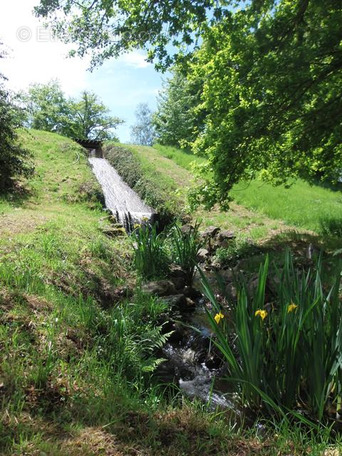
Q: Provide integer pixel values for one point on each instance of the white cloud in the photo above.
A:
(34, 56)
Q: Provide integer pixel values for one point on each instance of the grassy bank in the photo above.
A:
(304, 206)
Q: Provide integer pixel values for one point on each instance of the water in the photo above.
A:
(120, 199)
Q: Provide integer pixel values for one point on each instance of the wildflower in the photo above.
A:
(291, 307)
(218, 317)
(261, 313)
(136, 226)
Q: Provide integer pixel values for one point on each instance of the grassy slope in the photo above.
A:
(302, 205)
(70, 378)
(176, 166)
(70, 374)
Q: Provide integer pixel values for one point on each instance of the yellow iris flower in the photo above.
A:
(261, 313)
(291, 307)
(218, 317)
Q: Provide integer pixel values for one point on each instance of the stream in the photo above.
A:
(191, 362)
(120, 199)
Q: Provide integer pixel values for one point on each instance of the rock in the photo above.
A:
(177, 300)
(186, 229)
(192, 293)
(190, 304)
(178, 276)
(202, 255)
(178, 282)
(225, 234)
(177, 271)
(159, 288)
(210, 232)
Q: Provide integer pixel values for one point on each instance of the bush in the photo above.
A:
(287, 352)
(13, 158)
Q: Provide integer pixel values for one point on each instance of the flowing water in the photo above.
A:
(189, 361)
(120, 199)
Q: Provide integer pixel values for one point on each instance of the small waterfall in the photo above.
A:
(120, 199)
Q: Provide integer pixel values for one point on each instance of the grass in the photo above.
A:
(79, 342)
(145, 171)
(303, 206)
(181, 157)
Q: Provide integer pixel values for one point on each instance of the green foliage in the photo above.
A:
(185, 244)
(271, 98)
(87, 118)
(175, 120)
(288, 351)
(268, 75)
(14, 158)
(150, 255)
(109, 28)
(46, 107)
(143, 131)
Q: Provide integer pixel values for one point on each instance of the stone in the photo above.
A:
(192, 293)
(226, 234)
(114, 231)
(159, 288)
(177, 300)
(186, 229)
(178, 276)
(202, 255)
(210, 232)
(177, 271)
(179, 282)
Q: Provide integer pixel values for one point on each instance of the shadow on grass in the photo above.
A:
(332, 227)
(16, 195)
(305, 247)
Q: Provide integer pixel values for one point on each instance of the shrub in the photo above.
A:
(13, 158)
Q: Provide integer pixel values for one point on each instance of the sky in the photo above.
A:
(35, 56)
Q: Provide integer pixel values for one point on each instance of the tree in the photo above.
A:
(14, 160)
(87, 118)
(176, 121)
(47, 107)
(107, 28)
(272, 95)
(143, 131)
(271, 74)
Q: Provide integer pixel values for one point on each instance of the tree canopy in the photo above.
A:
(84, 118)
(270, 72)
(106, 28)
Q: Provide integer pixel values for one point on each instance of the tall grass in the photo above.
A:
(288, 351)
(185, 244)
(150, 256)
